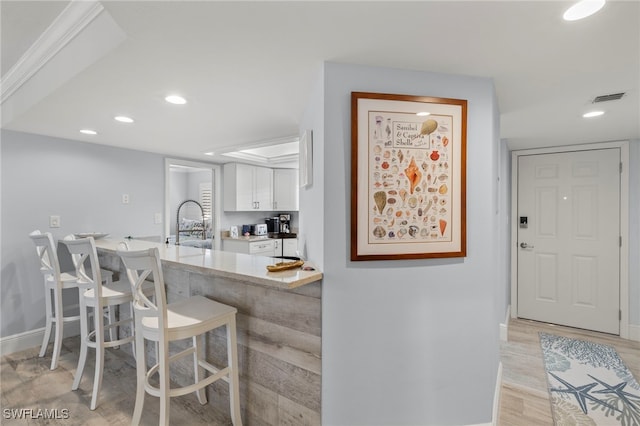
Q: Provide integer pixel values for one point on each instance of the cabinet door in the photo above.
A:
(290, 247)
(244, 187)
(238, 187)
(285, 186)
(278, 247)
(263, 188)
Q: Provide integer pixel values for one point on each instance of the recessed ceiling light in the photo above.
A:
(88, 132)
(582, 9)
(423, 113)
(175, 99)
(123, 119)
(593, 114)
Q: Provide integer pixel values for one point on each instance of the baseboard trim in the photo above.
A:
(634, 332)
(504, 327)
(32, 338)
(496, 396)
(496, 400)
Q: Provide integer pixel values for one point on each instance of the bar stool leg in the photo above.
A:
(198, 372)
(59, 319)
(84, 335)
(163, 359)
(97, 379)
(234, 381)
(48, 320)
(141, 368)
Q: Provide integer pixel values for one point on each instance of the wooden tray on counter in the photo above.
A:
(283, 266)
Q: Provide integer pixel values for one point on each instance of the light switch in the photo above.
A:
(54, 221)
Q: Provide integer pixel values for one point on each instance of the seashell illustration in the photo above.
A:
(443, 211)
(380, 198)
(404, 222)
(394, 169)
(424, 232)
(377, 220)
(443, 189)
(428, 127)
(376, 175)
(413, 230)
(390, 211)
(413, 202)
(420, 212)
(413, 174)
(443, 226)
(398, 213)
(400, 155)
(392, 192)
(385, 165)
(429, 204)
(392, 234)
(424, 166)
(443, 201)
(391, 201)
(445, 141)
(443, 176)
(377, 149)
(379, 232)
(387, 154)
(402, 232)
(432, 189)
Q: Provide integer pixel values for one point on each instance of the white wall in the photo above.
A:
(409, 342)
(83, 184)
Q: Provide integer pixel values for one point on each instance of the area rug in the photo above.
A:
(589, 384)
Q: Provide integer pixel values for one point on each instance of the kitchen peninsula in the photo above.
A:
(279, 326)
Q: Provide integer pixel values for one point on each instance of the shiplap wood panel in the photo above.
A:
(279, 345)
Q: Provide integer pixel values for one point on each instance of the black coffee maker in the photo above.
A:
(285, 223)
(273, 224)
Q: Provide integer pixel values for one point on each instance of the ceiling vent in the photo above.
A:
(605, 98)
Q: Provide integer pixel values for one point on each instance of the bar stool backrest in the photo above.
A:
(46, 249)
(143, 265)
(85, 257)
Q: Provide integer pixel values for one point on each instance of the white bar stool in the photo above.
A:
(164, 323)
(93, 295)
(54, 281)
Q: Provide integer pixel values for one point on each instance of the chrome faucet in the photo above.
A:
(204, 233)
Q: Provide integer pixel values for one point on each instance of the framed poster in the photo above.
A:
(306, 159)
(408, 177)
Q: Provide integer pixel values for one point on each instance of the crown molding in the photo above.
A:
(71, 21)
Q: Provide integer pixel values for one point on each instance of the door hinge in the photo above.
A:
(621, 167)
(620, 314)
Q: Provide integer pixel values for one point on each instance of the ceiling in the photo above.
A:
(247, 68)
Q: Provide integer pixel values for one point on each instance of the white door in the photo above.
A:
(569, 239)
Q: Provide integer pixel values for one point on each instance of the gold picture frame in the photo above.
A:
(408, 177)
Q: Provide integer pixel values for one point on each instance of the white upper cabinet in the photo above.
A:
(247, 188)
(285, 189)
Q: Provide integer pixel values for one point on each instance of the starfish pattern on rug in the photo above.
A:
(619, 391)
(581, 393)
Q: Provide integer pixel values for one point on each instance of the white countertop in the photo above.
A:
(222, 263)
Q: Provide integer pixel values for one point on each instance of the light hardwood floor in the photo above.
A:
(524, 398)
(27, 382)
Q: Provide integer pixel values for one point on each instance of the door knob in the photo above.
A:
(525, 245)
